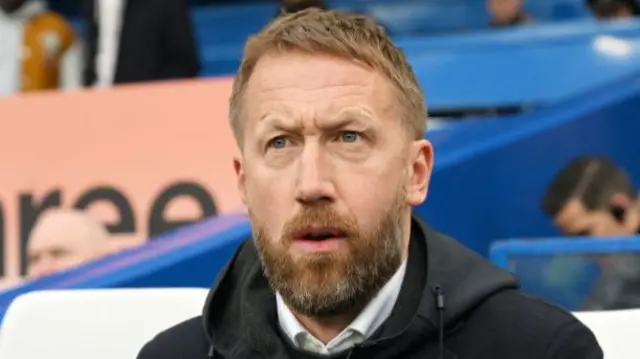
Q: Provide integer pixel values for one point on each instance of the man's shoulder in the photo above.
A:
(517, 305)
(186, 339)
(531, 322)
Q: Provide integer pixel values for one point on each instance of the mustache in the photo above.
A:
(319, 216)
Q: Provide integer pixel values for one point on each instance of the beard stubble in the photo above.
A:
(334, 283)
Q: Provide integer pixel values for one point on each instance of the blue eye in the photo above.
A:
(278, 142)
(349, 136)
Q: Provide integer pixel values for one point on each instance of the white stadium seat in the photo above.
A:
(96, 324)
(616, 331)
(115, 323)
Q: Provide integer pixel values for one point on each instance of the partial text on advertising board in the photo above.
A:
(142, 159)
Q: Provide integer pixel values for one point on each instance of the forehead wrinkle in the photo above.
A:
(331, 115)
(271, 100)
(276, 94)
(371, 87)
(288, 68)
(296, 89)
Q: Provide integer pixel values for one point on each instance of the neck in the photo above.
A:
(325, 329)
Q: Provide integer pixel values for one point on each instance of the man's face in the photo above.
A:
(328, 175)
(504, 10)
(10, 6)
(51, 252)
(576, 220)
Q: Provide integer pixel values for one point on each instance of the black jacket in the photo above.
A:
(453, 304)
(156, 42)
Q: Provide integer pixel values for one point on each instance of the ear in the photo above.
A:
(239, 169)
(421, 166)
(619, 200)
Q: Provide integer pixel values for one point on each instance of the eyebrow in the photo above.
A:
(270, 123)
(342, 119)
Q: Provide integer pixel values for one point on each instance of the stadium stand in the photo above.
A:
(500, 202)
(489, 65)
(98, 316)
(512, 161)
(575, 89)
(75, 324)
(400, 17)
(562, 270)
(490, 152)
(189, 257)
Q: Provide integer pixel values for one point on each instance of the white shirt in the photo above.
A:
(365, 324)
(109, 15)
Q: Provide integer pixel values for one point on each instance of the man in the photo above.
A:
(507, 13)
(614, 9)
(63, 239)
(330, 121)
(134, 41)
(592, 196)
(38, 49)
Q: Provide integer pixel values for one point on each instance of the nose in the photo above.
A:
(314, 184)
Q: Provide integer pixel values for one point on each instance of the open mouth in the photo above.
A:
(319, 234)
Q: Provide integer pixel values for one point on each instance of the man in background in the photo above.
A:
(38, 49)
(506, 13)
(614, 9)
(592, 196)
(63, 239)
(138, 40)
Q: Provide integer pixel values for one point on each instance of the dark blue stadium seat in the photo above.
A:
(231, 24)
(489, 178)
(429, 17)
(497, 68)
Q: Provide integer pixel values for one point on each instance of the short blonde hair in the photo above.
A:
(349, 36)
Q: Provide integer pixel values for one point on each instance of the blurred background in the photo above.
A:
(115, 151)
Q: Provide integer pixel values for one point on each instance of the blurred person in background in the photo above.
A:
(506, 13)
(132, 41)
(38, 49)
(592, 196)
(291, 6)
(10, 282)
(63, 239)
(614, 9)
